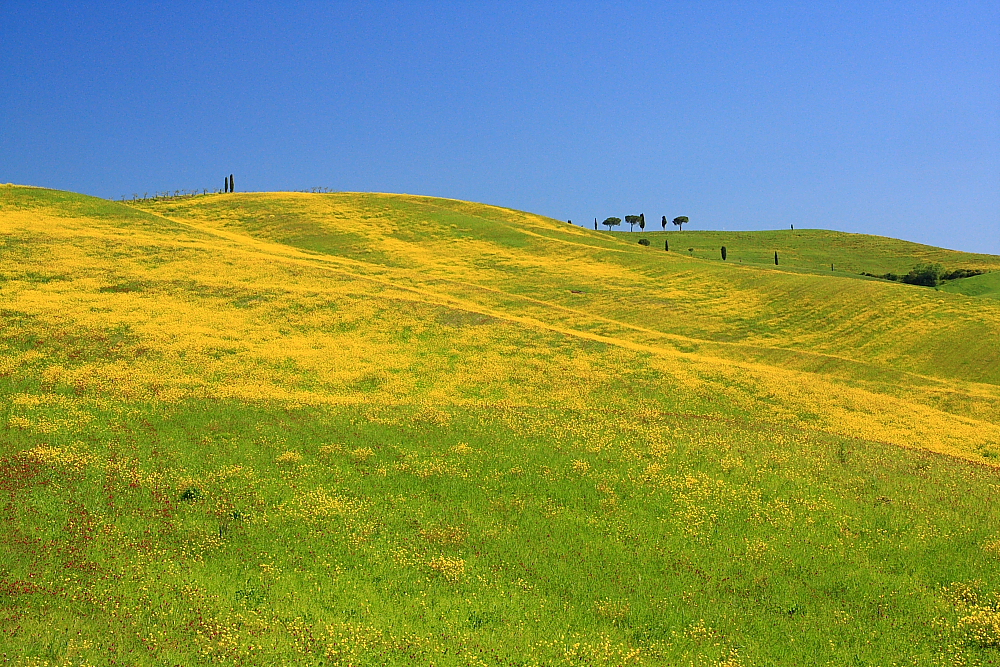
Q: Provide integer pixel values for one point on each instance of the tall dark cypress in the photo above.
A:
(225, 185)
(723, 253)
(666, 244)
(595, 223)
(232, 186)
(775, 257)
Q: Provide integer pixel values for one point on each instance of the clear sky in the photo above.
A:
(860, 116)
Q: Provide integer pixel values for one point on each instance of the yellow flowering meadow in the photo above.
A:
(355, 428)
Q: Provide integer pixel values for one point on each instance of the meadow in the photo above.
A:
(372, 429)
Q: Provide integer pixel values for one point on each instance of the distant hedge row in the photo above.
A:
(928, 274)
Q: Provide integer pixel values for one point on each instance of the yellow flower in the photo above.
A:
(289, 458)
(452, 569)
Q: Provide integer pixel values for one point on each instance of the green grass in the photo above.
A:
(361, 429)
(815, 250)
(732, 543)
(986, 285)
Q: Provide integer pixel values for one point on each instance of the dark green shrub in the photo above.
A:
(884, 276)
(643, 241)
(927, 274)
(962, 273)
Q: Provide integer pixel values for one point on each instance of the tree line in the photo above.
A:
(633, 220)
(928, 274)
(228, 186)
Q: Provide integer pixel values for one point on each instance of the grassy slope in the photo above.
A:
(987, 285)
(377, 428)
(815, 250)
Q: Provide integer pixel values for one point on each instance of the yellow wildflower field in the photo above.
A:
(362, 428)
(227, 299)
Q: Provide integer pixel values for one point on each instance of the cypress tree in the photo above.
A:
(232, 186)
(775, 257)
(663, 222)
(225, 185)
(723, 253)
(595, 223)
(666, 242)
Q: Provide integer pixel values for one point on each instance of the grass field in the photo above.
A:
(365, 429)
(815, 250)
(986, 285)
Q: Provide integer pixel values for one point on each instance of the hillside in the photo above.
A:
(386, 429)
(814, 250)
(987, 285)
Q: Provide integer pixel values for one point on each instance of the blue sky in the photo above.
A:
(869, 117)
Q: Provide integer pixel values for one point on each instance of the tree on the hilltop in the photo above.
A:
(225, 185)
(595, 223)
(612, 222)
(642, 222)
(631, 220)
(663, 223)
(232, 184)
(679, 221)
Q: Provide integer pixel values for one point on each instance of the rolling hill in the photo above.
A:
(363, 428)
(986, 285)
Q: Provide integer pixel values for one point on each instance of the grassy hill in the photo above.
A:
(354, 429)
(986, 285)
(814, 250)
